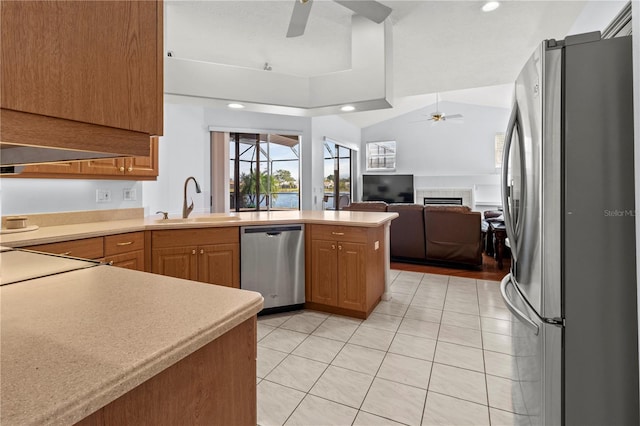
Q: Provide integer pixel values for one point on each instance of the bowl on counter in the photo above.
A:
(15, 222)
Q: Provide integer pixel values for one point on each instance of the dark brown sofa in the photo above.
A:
(432, 234)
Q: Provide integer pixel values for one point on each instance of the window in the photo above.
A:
(264, 172)
(498, 148)
(337, 176)
(381, 155)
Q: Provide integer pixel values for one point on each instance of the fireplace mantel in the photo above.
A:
(465, 193)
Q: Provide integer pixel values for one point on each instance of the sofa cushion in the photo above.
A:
(452, 236)
(407, 232)
(448, 208)
(367, 206)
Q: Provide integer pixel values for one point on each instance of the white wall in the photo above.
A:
(452, 154)
(183, 152)
(22, 196)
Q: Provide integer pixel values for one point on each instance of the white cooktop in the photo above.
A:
(21, 265)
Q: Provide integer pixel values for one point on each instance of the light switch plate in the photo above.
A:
(129, 194)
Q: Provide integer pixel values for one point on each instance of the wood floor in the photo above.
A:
(489, 269)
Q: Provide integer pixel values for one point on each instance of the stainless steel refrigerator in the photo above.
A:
(569, 208)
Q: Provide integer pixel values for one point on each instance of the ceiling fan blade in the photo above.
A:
(372, 10)
(299, 18)
(454, 116)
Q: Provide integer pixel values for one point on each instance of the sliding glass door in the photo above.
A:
(264, 172)
(337, 172)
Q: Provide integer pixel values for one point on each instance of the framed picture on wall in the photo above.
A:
(381, 156)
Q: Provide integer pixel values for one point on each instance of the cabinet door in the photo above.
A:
(96, 62)
(143, 166)
(66, 168)
(324, 272)
(131, 260)
(179, 262)
(106, 167)
(219, 264)
(352, 276)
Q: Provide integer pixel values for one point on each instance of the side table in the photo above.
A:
(500, 233)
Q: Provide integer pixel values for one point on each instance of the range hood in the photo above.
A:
(35, 139)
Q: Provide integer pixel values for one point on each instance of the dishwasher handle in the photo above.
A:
(271, 229)
(274, 234)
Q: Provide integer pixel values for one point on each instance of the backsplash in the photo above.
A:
(67, 218)
(27, 196)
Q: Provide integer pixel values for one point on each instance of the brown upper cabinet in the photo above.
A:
(129, 168)
(82, 75)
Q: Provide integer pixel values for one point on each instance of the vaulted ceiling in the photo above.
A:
(438, 46)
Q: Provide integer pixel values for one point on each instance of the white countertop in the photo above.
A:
(52, 234)
(72, 343)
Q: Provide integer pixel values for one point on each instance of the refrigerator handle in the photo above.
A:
(515, 311)
(506, 188)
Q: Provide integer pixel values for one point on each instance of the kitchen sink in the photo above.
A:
(203, 219)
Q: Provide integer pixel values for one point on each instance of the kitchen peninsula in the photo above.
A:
(97, 340)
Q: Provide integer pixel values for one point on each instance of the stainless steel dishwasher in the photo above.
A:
(272, 263)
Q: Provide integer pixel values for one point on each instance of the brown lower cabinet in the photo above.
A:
(122, 250)
(216, 385)
(125, 250)
(345, 269)
(86, 248)
(210, 255)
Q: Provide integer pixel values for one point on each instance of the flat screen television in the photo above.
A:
(389, 188)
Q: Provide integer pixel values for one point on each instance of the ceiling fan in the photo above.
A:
(372, 10)
(441, 116)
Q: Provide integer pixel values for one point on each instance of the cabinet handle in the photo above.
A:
(122, 169)
(201, 251)
(130, 169)
(339, 247)
(66, 253)
(126, 243)
(333, 246)
(337, 233)
(193, 252)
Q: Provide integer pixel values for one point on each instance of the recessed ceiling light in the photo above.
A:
(490, 5)
(347, 108)
(235, 106)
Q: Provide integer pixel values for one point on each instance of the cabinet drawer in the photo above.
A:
(195, 237)
(122, 243)
(88, 248)
(339, 233)
(131, 260)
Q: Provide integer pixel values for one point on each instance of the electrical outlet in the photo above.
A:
(103, 195)
(129, 194)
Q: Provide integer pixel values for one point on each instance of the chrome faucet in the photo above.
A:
(187, 209)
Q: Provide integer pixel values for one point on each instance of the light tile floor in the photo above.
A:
(439, 353)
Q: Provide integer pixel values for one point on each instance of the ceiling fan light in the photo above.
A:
(235, 106)
(347, 108)
(490, 6)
